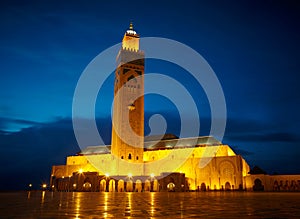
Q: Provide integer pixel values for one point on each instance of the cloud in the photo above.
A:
(265, 137)
(32, 151)
(14, 124)
(257, 131)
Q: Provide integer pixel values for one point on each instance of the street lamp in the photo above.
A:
(44, 186)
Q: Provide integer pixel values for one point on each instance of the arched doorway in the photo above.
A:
(258, 186)
(293, 185)
(129, 186)
(147, 186)
(171, 187)
(138, 186)
(155, 185)
(227, 186)
(87, 186)
(275, 186)
(203, 187)
(111, 186)
(103, 185)
(121, 185)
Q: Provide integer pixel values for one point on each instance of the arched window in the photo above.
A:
(137, 157)
(258, 186)
(203, 187)
(129, 156)
(132, 77)
(122, 157)
(171, 187)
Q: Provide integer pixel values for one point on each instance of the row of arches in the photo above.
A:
(286, 185)
(227, 187)
(93, 182)
(277, 185)
(112, 185)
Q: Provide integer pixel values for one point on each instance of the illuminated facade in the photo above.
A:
(133, 163)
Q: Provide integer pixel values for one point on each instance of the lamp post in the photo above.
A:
(69, 183)
(152, 182)
(106, 182)
(44, 186)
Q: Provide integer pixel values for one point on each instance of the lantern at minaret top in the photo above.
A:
(131, 39)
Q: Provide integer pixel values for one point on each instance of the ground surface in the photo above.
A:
(149, 205)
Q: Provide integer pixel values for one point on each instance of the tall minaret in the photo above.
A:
(128, 112)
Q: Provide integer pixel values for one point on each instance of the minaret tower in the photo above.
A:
(128, 112)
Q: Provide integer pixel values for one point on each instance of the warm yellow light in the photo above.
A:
(52, 186)
(152, 175)
(129, 174)
(106, 174)
(74, 185)
(62, 177)
(131, 107)
(80, 170)
(44, 186)
(30, 185)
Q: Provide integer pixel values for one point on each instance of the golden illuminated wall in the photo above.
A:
(198, 152)
(274, 182)
(156, 161)
(77, 160)
(200, 168)
(101, 163)
(213, 166)
(216, 174)
(130, 42)
(74, 164)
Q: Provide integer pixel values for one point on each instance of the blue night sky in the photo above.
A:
(252, 46)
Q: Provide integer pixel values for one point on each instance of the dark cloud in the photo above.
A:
(257, 131)
(19, 121)
(264, 137)
(267, 145)
(12, 124)
(32, 151)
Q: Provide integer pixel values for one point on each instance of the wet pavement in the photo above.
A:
(38, 204)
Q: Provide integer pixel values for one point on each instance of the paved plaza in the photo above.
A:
(149, 205)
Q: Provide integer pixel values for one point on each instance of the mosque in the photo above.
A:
(134, 163)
